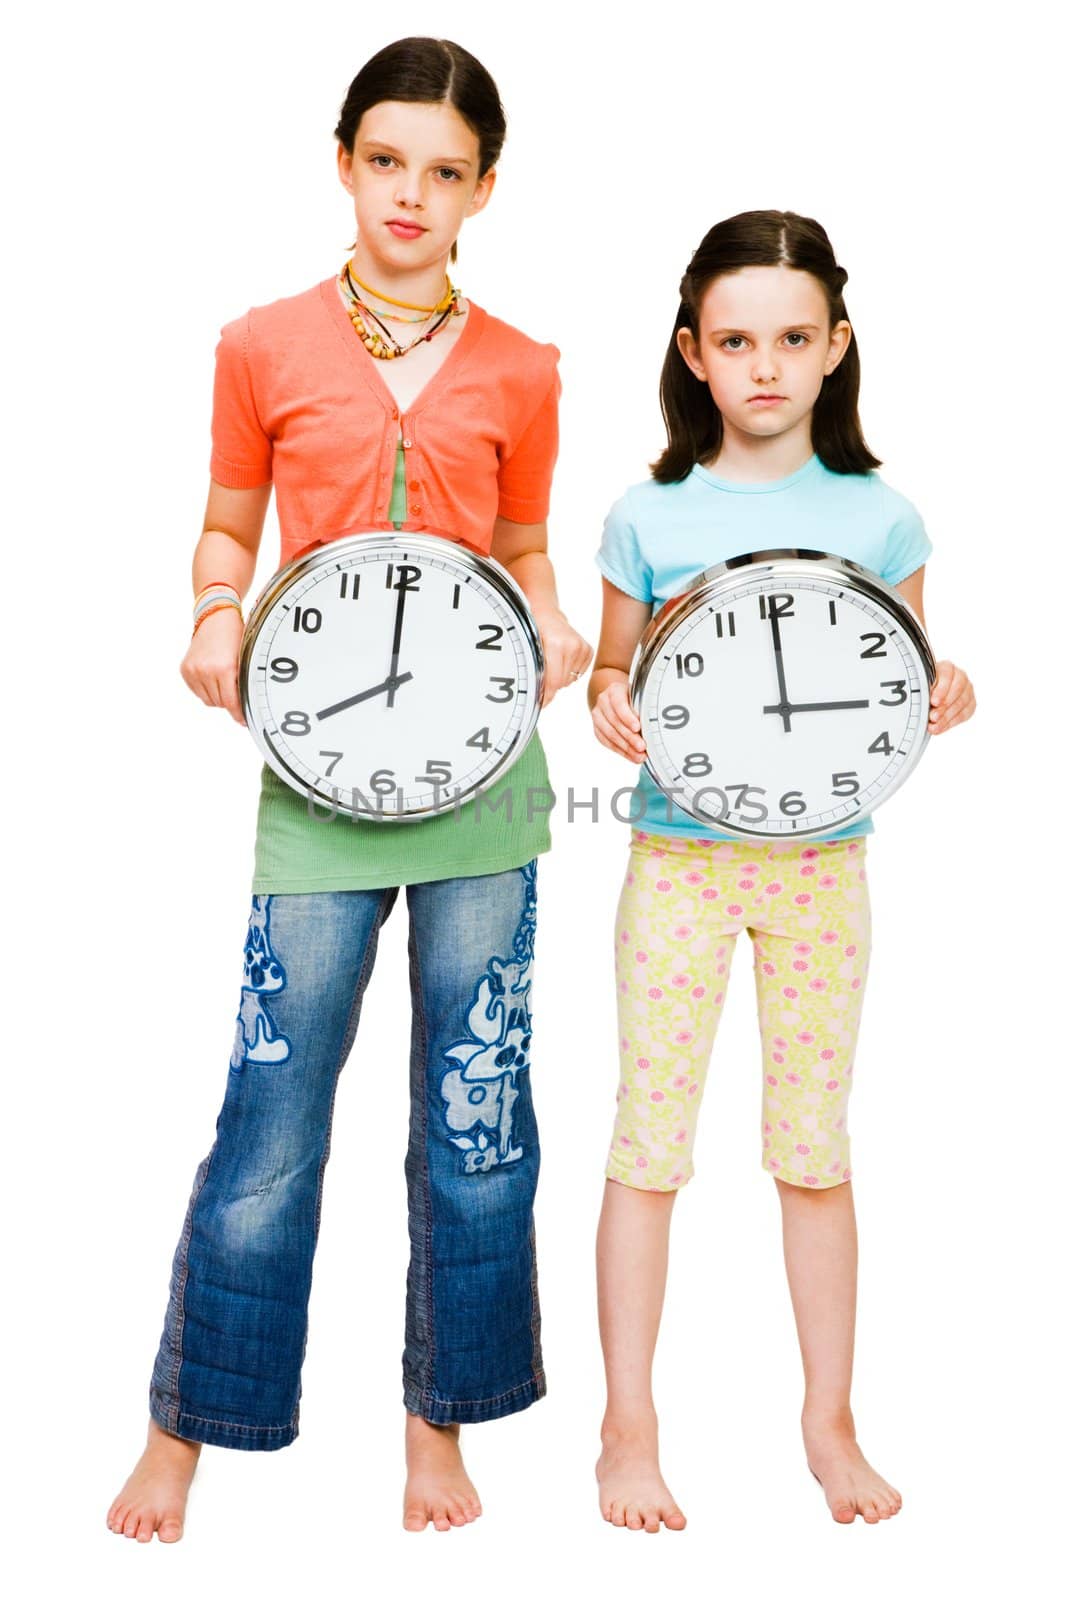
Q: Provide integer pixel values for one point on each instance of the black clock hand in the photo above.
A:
(398, 627)
(825, 705)
(784, 708)
(391, 683)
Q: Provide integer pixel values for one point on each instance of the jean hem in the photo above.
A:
(432, 1408)
(209, 1430)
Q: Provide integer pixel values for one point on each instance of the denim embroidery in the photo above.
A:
(258, 1041)
(481, 1093)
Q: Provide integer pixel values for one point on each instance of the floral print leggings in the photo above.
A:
(683, 904)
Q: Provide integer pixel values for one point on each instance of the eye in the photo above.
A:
(449, 172)
(733, 342)
(374, 160)
(801, 336)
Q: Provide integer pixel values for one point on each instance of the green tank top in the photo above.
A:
(299, 853)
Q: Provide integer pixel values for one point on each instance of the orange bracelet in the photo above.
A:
(224, 605)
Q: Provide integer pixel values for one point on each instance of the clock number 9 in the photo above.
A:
(283, 669)
(674, 716)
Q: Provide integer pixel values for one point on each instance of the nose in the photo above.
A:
(764, 366)
(408, 191)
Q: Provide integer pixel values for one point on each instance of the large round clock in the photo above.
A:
(392, 675)
(783, 694)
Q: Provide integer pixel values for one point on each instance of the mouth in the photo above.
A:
(403, 229)
(766, 399)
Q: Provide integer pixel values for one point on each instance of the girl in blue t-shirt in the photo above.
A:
(765, 450)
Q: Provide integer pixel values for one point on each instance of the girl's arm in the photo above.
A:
(952, 696)
(226, 553)
(615, 722)
(522, 547)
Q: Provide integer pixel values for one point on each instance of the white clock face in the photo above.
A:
(392, 678)
(785, 706)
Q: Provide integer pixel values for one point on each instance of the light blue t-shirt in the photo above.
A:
(660, 536)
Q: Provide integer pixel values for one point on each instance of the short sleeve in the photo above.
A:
(241, 450)
(619, 557)
(907, 543)
(524, 479)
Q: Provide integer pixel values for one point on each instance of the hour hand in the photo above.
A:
(393, 681)
(827, 705)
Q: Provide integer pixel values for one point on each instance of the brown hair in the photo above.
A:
(694, 422)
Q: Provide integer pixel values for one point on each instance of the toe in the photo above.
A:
(145, 1529)
(651, 1521)
(457, 1514)
(440, 1519)
(843, 1511)
(674, 1520)
(414, 1519)
(170, 1529)
(633, 1517)
(618, 1515)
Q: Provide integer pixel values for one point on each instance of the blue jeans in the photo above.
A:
(228, 1367)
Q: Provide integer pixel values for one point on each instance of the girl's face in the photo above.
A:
(765, 347)
(413, 174)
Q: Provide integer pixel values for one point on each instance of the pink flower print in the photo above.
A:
(625, 936)
(625, 1044)
(720, 952)
(827, 881)
(779, 1042)
(811, 1181)
(855, 983)
(642, 837)
(802, 899)
(709, 894)
(750, 869)
(735, 910)
(679, 1083)
(772, 1080)
(789, 992)
(685, 1037)
(807, 872)
(699, 992)
(641, 955)
(777, 1056)
(682, 932)
(802, 949)
(836, 1167)
(863, 876)
(853, 847)
(786, 1127)
(800, 966)
(657, 1095)
(817, 985)
(642, 1161)
(693, 1088)
(680, 980)
(774, 1164)
(831, 1084)
(624, 987)
(766, 1127)
(829, 937)
(643, 1063)
(803, 1149)
(773, 888)
(718, 999)
(770, 969)
(675, 1177)
(694, 877)
(809, 854)
(663, 885)
(659, 854)
(827, 1055)
(793, 1078)
(847, 1174)
(721, 968)
(629, 877)
(705, 842)
(655, 993)
(679, 1137)
(805, 1038)
(850, 949)
(624, 1141)
(746, 883)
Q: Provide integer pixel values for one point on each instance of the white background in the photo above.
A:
(169, 167)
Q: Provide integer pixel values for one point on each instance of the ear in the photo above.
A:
(840, 339)
(690, 352)
(482, 190)
(344, 167)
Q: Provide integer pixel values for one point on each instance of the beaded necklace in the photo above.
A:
(379, 341)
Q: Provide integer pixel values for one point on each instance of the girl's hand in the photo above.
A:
(210, 665)
(616, 723)
(951, 698)
(566, 654)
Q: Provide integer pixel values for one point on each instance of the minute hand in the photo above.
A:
(825, 705)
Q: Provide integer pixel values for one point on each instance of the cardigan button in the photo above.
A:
(416, 509)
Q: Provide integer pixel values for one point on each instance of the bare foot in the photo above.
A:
(632, 1491)
(849, 1482)
(438, 1489)
(152, 1500)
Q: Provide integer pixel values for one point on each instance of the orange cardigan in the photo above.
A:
(299, 400)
